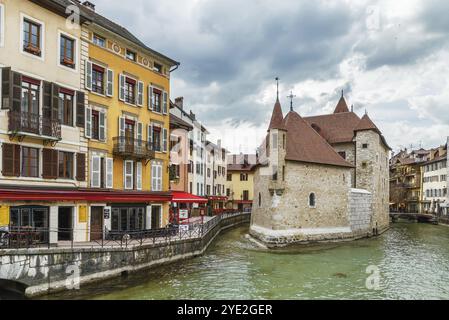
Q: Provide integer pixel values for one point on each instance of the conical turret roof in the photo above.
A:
(342, 106)
(277, 117)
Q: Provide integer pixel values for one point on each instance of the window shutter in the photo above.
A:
(150, 97)
(55, 102)
(6, 88)
(102, 126)
(80, 109)
(9, 160)
(96, 172)
(88, 129)
(121, 124)
(165, 103)
(49, 164)
(140, 93)
(129, 183)
(164, 138)
(159, 178)
(153, 177)
(139, 176)
(80, 167)
(139, 131)
(16, 91)
(88, 75)
(110, 83)
(121, 87)
(47, 100)
(109, 173)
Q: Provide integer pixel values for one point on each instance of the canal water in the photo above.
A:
(410, 261)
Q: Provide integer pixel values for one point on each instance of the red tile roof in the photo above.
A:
(366, 124)
(304, 144)
(341, 106)
(336, 127)
(277, 117)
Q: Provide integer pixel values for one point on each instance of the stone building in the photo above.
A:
(321, 178)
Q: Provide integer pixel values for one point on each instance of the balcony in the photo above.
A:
(130, 148)
(28, 124)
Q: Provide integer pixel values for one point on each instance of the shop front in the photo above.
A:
(185, 206)
(217, 205)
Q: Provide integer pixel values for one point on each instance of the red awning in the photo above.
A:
(218, 198)
(243, 201)
(77, 195)
(184, 197)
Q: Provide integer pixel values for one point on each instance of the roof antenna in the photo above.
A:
(352, 108)
(277, 88)
(342, 93)
(291, 96)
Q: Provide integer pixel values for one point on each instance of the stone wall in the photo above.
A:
(372, 174)
(47, 270)
(349, 149)
(360, 211)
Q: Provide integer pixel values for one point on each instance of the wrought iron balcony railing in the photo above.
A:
(133, 148)
(29, 123)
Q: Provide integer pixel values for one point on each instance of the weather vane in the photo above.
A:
(291, 97)
(277, 87)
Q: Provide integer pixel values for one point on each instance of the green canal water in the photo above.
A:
(412, 260)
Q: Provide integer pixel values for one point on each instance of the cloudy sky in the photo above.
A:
(390, 57)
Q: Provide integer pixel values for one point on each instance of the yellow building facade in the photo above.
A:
(240, 181)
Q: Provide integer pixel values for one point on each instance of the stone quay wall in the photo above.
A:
(44, 271)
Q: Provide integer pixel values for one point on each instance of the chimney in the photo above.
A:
(234, 160)
(89, 5)
(192, 115)
(180, 102)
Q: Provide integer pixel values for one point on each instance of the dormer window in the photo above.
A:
(157, 67)
(99, 41)
(130, 55)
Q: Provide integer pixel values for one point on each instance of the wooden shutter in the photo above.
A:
(110, 83)
(102, 126)
(6, 88)
(139, 175)
(80, 167)
(165, 102)
(46, 106)
(16, 91)
(96, 172)
(80, 109)
(165, 139)
(88, 123)
(109, 173)
(159, 177)
(88, 75)
(150, 97)
(121, 96)
(121, 124)
(139, 131)
(55, 102)
(49, 164)
(140, 93)
(11, 160)
(150, 135)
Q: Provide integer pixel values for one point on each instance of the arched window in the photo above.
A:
(260, 200)
(312, 200)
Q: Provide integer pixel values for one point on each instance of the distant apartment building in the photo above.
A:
(435, 182)
(406, 180)
(216, 170)
(240, 181)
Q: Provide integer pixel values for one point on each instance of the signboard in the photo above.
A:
(82, 214)
(196, 205)
(107, 212)
(184, 214)
(4, 216)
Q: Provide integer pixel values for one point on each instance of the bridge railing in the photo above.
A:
(27, 238)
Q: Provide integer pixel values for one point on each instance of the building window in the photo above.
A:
(67, 52)
(365, 146)
(243, 177)
(66, 107)
(157, 133)
(364, 164)
(229, 177)
(65, 165)
(130, 91)
(32, 37)
(99, 41)
(97, 79)
(260, 200)
(312, 200)
(342, 154)
(95, 125)
(30, 162)
(275, 141)
(30, 99)
(130, 55)
(156, 103)
(275, 173)
(245, 195)
(129, 175)
(228, 192)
